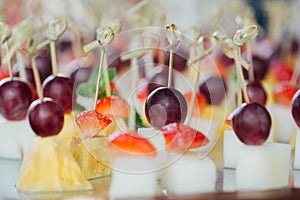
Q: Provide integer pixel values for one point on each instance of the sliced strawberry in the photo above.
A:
(113, 106)
(91, 123)
(281, 70)
(284, 92)
(181, 137)
(131, 143)
(3, 74)
(142, 90)
(200, 102)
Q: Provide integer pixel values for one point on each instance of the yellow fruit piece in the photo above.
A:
(49, 167)
(92, 156)
(68, 131)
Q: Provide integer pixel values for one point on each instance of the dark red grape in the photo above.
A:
(225, 60)
(44, 67)
(295, 107)
(158, 77)
(252, 123)
(80, 75)
(15, 98)
(180, 57)
(46, 117)
(214, 89)
(60, 89)
(164, 106)
(260, 68)
(256, 92)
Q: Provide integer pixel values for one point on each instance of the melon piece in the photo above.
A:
(9, 170)
(49, 166)
(134, 176)
(229, 180)
(263, 167)
(232, 145)
(297, 152)
(189, 174)
(284, 125)
(92, 156)
(296, 178)
(14, 143)
(156, 138)
(231, 148)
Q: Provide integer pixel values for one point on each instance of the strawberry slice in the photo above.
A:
(3, 74)
(200, 102)
(142, 90)
(131, 143)
(284, 92)
(113, 106)
(91, 123)
(181, 137)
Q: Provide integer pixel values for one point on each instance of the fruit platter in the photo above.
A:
(149, 100)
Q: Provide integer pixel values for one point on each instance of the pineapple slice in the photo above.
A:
(68, 131)
(92, 155)
(48, 166)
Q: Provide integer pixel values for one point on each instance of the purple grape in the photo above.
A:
(214, 89)
(46, 117)
(164, 106)
(60, 89)
(256, 92)
(252, 123)
(15, 98)
(295, 107)
(260, 68)
(158, 77)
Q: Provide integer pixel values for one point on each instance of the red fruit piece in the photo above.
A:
(113, 106)
(131, 143)
(200, 102)
(142, 90)
(283, 93)
(181, 137)
(4, 74)
(281, 70)
(91, 122)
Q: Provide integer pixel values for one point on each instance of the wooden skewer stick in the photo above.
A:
(105, 36)
(173, 39)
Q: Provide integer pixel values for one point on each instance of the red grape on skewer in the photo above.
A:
(164, 106)
(46, 117)
(214, 89)
(256, 92)
(252, 123)
(295, 108)
(59, 89)
(15, 98)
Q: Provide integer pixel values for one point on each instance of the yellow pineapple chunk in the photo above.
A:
(68, 131)
(48, 166)
(92, 156)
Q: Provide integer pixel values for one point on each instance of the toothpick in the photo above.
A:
(37, 79)
(99, 78)
(132, 116)
(105, 36)
(173, 38)
(55, 30)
